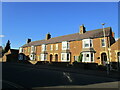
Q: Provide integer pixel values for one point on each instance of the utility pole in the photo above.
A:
(106, 49)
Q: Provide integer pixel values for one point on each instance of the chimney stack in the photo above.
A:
(48, 36)
(113, 34)
(82, 29)
(28, 41)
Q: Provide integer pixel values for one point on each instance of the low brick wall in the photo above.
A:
(42, 62)
(85, 65)
(60, 64)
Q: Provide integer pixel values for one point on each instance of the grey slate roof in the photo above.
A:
(71, 37)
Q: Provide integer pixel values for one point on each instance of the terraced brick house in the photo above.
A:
(94, 47)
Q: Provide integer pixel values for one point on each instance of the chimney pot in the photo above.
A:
(28, 41)
(48, 36)
(82, 29)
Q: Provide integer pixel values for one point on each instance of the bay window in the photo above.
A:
(43, 57)
(87, 43)
(88, 57)
(65, 57)
(32, 56)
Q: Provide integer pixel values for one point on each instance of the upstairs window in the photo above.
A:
(43, 47)
(65, 45)
(103, 42)
(28, 49)
(32, 48)
(87, 43)
(56, 46)
(51, 47)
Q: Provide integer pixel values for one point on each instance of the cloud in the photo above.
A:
(117, 38)
(2, 35)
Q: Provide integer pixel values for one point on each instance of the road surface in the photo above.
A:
(22, 76)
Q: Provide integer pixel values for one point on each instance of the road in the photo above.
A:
(22, 76)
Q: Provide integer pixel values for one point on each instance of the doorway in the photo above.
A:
(56, 57)
(103, 59)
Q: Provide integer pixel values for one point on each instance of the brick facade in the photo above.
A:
(75, 47)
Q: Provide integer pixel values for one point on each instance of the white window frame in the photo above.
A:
(32, 56)
(44, 47)
(65, 45)
(33, 49)
(51, 47)
(65, 59)
(56, 47)
(20, 50)
(103, 42)
(43, 57)
(84, 56)
(87, 41)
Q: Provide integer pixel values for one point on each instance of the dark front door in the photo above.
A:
(51, 56)
(118, 56)
(103, 58)
(56, 57)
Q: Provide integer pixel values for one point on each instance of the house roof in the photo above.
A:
(71, 37)
(116, 45)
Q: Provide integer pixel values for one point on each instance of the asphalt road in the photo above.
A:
(21, 76)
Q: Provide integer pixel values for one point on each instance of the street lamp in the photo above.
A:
(106, 49)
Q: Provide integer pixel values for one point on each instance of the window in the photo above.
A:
(92, 57)
(43, 57)
(88, 57)
(32, 57)
(28, 50)
(51, 47)
(33, 48)
(56, 46)
(43, 47)
(65, 45)
(103, 42)
(65, 57)
(87, 43)
(20, 50)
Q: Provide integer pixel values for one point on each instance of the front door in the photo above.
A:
(51, 56)
(56, 57)
(118, 55)
(103, 59)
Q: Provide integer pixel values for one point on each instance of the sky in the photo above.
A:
(22, 20)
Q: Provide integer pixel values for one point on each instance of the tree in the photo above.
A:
(7, 47)
(80, 57)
